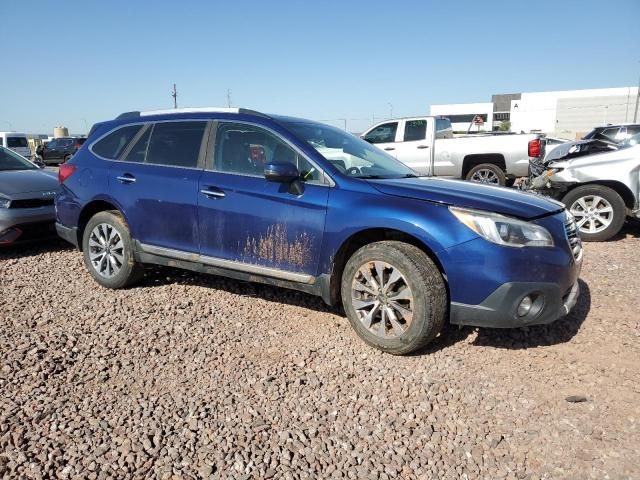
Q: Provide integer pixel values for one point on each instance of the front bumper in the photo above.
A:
(500, 309)
(25, 224)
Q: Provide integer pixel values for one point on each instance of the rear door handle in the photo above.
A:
(126, 178)
(420, 147)
(389, 148)
(212, 192)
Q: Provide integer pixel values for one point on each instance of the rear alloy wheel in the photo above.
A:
(394, 296)
(599, 211)
(108, 251)
(487, 173)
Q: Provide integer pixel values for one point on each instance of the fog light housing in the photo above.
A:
(525, 306)
(9, 235)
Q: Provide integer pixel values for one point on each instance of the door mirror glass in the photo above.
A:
(281, 172)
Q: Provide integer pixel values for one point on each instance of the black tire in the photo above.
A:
(129, 271)
(428, 304)
(496, 170)
(584, 192)
(66, 158)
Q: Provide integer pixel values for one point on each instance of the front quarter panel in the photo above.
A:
(351, 212)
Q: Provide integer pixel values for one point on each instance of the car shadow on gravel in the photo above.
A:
(30, 249)
(560, 331)
(159, 275)
(631, 229)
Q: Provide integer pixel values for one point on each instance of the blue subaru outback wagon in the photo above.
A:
(299, 204)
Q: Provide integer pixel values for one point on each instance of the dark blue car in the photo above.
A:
(302, 205)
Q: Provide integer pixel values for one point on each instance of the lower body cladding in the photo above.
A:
(26, 224)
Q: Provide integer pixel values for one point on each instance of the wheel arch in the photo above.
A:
(475, 159)
(364, 237)
(89, 210)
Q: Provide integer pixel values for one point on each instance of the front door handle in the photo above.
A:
(420, 147)
(389, 149)
(126, 178)
(212, 192)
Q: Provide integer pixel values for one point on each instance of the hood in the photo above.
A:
(25, 181)
(579, 148)
(477, 196)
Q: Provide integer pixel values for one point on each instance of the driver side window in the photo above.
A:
(245, 149)
(385, 133)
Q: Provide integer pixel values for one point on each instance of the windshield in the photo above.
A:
(349, 154)
(12, 161)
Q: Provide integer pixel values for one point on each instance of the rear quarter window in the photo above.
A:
(114, 143)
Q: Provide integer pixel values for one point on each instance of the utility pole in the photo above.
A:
(229, 97)
(390, 110)
(174, 94)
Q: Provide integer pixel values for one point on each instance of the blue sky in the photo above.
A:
(73, 62)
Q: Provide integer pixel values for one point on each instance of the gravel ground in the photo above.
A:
(190, 376)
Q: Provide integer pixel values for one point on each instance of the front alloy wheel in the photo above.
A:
(599, 211)
(394, 296)
(382, 299)
(593, 213)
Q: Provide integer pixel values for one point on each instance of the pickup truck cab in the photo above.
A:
(427, 145)
(298, 204)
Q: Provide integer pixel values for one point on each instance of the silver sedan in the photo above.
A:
(26, 199)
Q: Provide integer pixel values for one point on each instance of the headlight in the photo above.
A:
(4, 202)
(503, 230)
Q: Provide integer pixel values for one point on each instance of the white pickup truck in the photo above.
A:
(427, 145)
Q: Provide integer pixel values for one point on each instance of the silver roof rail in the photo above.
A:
(137, 114)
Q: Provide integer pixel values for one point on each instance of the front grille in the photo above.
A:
(31, 203)
(573, 236)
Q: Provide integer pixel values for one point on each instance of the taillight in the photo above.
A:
(65, 171)
(535, 148)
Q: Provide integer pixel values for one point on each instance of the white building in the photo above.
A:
(567, 113)
(462, 115)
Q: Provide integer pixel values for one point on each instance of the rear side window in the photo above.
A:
(14, 142)
(139, 150)
(176, 144)
(415, 130)
(114, 144)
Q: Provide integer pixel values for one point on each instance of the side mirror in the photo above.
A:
(281, 172)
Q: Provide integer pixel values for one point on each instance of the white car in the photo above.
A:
(17, 142)
(600, 190)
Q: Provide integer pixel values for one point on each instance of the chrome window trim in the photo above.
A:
(228, 264)
(210, 168)
(151, 123)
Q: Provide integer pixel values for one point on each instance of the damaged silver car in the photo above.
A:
(601, 190)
